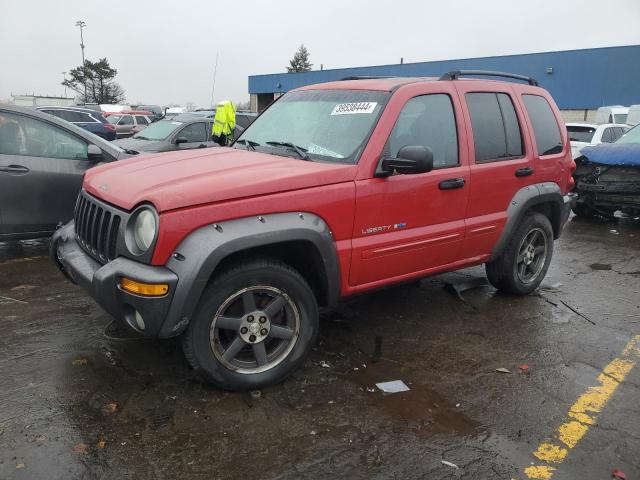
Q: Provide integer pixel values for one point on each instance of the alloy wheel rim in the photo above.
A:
(532, 255)
(254, 329)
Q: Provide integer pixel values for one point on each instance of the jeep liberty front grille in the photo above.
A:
(97, 226)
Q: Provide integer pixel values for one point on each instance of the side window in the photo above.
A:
(607, 136)
(427, 120)
(20, 135)
(496, 131)
(126, 120)
(194, 133)
(141, 120)
(545, 126)
(617, 133)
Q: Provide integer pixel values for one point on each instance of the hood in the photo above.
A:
(620, 154)
(193, 177)
(139, 144)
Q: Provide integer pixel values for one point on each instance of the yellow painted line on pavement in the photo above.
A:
(583, 413)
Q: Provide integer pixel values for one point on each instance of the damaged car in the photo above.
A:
(607, 178)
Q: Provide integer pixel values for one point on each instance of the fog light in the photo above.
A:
(144, 289)
(139, 320)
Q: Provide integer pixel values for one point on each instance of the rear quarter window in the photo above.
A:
(545, 126)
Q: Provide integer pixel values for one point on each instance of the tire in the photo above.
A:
(226, 341)
(506, 271)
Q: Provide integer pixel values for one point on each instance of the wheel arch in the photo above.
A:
(544, 198)
(302, 240)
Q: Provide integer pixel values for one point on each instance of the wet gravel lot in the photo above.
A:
(80, 398)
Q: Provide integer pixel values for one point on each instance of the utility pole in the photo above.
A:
(64, 79)
(213, 88)
(82, 24)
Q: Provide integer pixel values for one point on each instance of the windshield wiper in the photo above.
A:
(248, 143)
(140, 137)
(299, 150)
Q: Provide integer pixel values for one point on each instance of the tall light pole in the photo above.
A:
(82, 24)
(64, 79)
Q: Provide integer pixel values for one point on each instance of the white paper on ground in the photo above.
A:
(394, 386)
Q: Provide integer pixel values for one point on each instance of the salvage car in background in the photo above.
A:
(607, 178)
(127, 124)
(87, 118)
(184, 132)
(587, 134)
(42, 162)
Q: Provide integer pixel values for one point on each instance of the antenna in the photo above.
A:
(213, 87)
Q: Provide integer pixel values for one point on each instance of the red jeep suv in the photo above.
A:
(335, 189)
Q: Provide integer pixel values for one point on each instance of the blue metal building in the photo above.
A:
(577, 79)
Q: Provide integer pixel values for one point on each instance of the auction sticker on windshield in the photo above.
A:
(350, 108)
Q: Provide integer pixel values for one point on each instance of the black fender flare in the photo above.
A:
(523, 201)
(199, 254)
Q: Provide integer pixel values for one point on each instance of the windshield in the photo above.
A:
(114, 118)
(158, 131)
(329, 125)
(632, 136)
(619, 118)
(580, 134)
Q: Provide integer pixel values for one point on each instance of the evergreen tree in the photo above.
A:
(300, 61)
(101, 86)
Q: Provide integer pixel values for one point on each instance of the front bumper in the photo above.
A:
(102, 282)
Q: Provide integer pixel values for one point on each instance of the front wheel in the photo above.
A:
(253, 327)
(524, 263)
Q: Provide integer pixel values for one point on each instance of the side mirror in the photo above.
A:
(94, 154)
(411, 159)
(180, 140)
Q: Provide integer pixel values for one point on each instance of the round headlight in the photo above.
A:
(144, 230)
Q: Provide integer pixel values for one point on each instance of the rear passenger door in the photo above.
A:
(501, 161)
(410, 224)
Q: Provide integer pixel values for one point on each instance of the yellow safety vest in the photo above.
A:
(224, 123)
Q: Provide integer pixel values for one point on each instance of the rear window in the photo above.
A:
(580, 134)
(545, 126)
(496, 131)
(619, 118)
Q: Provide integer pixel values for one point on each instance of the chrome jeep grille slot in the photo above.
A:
(97, 226)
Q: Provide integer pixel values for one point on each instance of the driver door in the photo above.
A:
(407, 225)
(41, 171)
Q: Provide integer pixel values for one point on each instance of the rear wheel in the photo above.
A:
(253, 327)
(522, 266)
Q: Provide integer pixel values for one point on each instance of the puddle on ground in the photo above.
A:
(422, 407)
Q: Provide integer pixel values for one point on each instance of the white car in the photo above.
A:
(587, 134)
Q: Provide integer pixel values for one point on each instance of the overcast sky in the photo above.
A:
(165, 50)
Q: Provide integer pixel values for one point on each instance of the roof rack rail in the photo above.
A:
(365, 77)
(455, 74)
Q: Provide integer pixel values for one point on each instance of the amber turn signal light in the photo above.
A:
(144, 289)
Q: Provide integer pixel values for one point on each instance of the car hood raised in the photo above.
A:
(620, 154)
(181, 179)
(139, 144)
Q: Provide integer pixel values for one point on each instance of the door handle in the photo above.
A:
(451, 184)
(14, 169)
(524, 172)
(202, 145)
